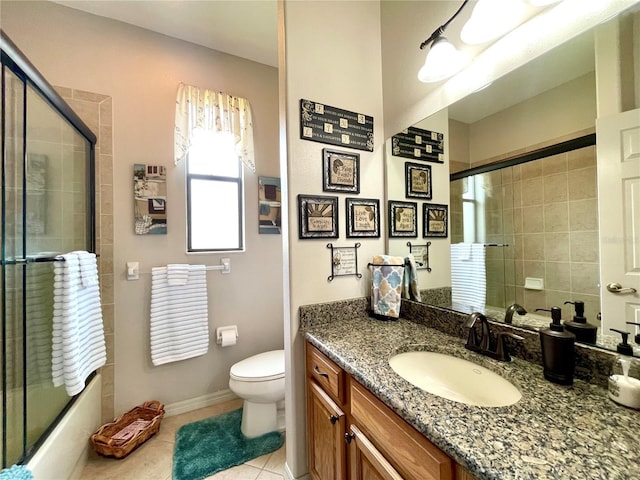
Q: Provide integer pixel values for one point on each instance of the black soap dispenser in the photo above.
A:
(624, 348)
(584, 331)
(558, 353)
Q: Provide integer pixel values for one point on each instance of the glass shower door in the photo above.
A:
(46, 210)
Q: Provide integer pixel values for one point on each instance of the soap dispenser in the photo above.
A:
(584, 331)
(558, 353)
(623, 388)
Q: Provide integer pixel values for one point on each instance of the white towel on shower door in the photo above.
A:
(179, 316)
(78, 346)
(468, 274)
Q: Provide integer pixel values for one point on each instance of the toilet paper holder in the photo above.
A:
(224, 331)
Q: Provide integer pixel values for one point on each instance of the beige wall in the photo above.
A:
(339, 65)
(558, 112)
(140, 71)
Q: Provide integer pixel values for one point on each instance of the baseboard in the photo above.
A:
(198, 402)
(289, 476)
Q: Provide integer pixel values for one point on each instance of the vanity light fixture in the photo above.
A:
(443, 59)
(490, 19)
(542, 3)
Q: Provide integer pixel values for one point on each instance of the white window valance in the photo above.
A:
(197, 108)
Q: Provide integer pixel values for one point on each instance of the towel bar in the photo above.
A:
(385, 265)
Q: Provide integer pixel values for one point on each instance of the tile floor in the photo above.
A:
(153, 459)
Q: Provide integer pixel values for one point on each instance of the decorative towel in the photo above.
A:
(410, 287)
(179, 316)
(177, 273)
(386, 285)
(468, 274)
(78, 346)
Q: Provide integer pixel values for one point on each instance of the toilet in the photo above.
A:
(259, 381)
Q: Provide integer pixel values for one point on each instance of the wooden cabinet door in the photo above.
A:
(365, 461)
(326, 425)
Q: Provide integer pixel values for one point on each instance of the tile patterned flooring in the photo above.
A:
(153, 459)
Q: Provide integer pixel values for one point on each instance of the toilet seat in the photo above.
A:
(262, 367)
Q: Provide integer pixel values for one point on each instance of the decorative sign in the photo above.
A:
(344, 261)
(419, 144)
(150, 197)
(325, 124)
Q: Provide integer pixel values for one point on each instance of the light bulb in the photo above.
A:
(443, 60)
(491, 19)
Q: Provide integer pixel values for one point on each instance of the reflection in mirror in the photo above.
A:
(537, 222)
(538, 211)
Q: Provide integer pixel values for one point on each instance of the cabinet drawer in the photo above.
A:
(326, 373)
(415, 457)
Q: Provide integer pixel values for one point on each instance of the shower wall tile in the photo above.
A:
(583, 215)
(106, 225)
(106, 288)
(557, 247)
(532, 219)
(532, 192)
(556, 217)
(583, 184)
(531, 170)
(88, 112)
(555, 188)
(106, 108)
(105, 169)
(89, 96)
(554, 164)
(582, 158)
(534, 269)
(106, 200)
(584, 247)
(97, 110)
(105, 142)
(534, 246)
(108, 319)
(584, 278)
(558, 276)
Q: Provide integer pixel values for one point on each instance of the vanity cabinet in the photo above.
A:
(353, 435)
(326, 420)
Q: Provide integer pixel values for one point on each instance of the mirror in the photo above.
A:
(535, 214)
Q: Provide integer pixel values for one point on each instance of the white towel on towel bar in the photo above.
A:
(177, 273)
(468, 274)
(179, 316)
(78, 346)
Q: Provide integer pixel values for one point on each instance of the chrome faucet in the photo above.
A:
(486, 344)
(511, 309)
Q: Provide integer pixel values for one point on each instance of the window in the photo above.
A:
(215, 193)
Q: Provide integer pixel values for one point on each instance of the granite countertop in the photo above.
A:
(552, 432)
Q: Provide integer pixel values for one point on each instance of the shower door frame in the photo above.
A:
(21, 67)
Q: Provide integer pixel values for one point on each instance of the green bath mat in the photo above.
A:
(214, 444)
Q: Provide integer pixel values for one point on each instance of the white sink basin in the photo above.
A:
(455, 379)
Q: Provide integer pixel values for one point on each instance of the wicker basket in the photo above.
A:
(130, 430)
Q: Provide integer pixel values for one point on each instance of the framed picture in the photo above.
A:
(436, 219)
(318, 217)
(403, 219)
(363, 217)
(417, 180)
(341, 171)
(269, 207)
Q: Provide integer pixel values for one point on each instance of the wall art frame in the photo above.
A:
(418, 183)
(435, 220)
(340, 171)
(403, 219)
(363, 217)
(317, 216)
